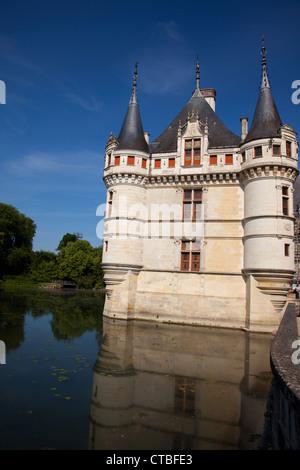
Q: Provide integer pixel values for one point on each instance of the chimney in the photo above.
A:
(244, 127)
(210, 96)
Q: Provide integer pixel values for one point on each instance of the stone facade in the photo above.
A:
(199, 226)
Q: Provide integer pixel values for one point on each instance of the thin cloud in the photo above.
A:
(89, 103)
(39, 162)
(169, 29)
(9, 53)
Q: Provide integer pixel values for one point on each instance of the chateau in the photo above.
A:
(199, 225)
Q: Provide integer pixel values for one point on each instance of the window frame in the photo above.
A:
(229, 159)
(285, 200)
(171, 162)
(276, 154)
(211, 157)
(130, 160)
(190, 255)
(194, 161)
(288, 148)
(255, 151)
(117, 160)
(192, 205)
(286, 249)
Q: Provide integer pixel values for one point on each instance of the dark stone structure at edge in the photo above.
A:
(282, 416)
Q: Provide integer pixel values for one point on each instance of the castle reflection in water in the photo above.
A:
(173, 387)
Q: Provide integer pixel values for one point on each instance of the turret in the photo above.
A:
(268, 172)
(125, 177)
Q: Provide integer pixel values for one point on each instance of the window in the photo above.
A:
(157, 163)
(171, 162)
(288, 148)
(228, 159)
(276, 150)
(213, 160)
(285, 200)
(258, 151)
(192, 152)
(106, 246)
(108, 159)
(286, 249)
(243, 157)
(130, 160)
(184, 397)
(190, 256)
(117, 161)
(110, 200)
(192, 201)
(144, 163)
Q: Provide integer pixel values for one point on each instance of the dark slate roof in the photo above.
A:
(131, 136)
(218, 134)
(266, 121)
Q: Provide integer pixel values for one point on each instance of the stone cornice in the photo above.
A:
(262, 170)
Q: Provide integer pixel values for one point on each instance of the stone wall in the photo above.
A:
(282, 425)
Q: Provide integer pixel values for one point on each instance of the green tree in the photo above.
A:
(80, 262)
(44, 266)
(67, 238)
(16, 235)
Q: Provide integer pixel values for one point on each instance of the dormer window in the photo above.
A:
(192, 152)
(276, 150)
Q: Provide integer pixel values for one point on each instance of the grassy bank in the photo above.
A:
(18, 281)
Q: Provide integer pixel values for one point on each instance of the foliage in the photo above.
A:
(20, 281)
(44, 266)
(67, 238)
(16, 234)
(80, 262)
(77, 260)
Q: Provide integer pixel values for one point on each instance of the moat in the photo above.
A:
(76, 380)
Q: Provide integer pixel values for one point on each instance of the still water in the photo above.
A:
(75, 380)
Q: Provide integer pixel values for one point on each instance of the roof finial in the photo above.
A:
(135, 74)
(197, 73)
(133, 99)
(265, 81)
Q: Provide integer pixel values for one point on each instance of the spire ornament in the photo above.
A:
(197, 73)
(265, 80)
(133, 99)
(135, 74)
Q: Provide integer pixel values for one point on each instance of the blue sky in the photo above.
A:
(68, 68)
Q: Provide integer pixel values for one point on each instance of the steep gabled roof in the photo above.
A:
(132, 136)
(266, 120)
(218, 134)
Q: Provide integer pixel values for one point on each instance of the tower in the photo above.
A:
(268, 172)
(126, 163)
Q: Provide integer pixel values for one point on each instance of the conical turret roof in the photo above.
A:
(266, 120)
(131, 136)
